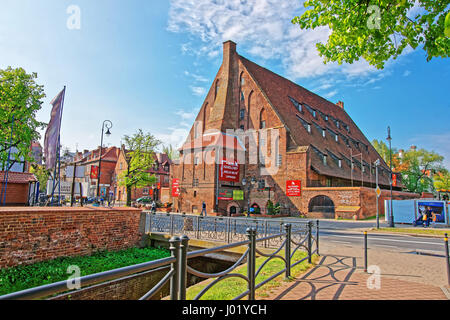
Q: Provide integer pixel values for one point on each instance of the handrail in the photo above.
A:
(179, 268)
(61, 286)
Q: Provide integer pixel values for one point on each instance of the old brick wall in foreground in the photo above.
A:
(29, 235)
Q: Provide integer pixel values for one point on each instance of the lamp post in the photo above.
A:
(249, 182)
(108, 125)
(377, 163)
(391, 214)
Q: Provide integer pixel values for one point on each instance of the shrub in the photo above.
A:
(29, 276)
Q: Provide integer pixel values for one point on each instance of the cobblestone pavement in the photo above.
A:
(339, 275)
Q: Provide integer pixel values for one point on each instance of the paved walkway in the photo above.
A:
(339, 275)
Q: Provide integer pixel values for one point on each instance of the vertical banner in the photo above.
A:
(293, 188)
(51, 140)
(94, 172)
(175, 188)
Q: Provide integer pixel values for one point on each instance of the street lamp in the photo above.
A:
(377, 163)
(108, 125)
(249, 187)
(391, 218)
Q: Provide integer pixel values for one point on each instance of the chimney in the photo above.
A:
(229, 49)
(340, 104)
(413, 148)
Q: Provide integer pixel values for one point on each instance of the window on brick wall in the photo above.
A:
(242, 114)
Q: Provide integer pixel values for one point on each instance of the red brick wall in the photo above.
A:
(16, 193)
(29, 235)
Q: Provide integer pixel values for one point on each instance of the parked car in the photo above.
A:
(145, 200)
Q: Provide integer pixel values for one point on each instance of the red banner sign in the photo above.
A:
(175, 187)
(394, 180)
(229, 171)
(94, 172)
(293, 188)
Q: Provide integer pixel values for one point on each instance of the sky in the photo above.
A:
(149, 65)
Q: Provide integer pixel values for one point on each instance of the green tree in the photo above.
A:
(418, 168)
(383, 150)
(377, 30)
(21, 98)
(41, 174)
(442, 180)
(171, 152)
(140, 159)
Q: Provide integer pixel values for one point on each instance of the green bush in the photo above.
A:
(29, 276)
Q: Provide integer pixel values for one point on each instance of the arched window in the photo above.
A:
(216, 89)
(321, 204)
(277, 152)
(262, 119)
(242, 79)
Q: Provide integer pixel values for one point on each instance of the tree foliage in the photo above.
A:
(418, 168)
(140, 159)
(172, 153)
(442, 180)
(378, 30)
(21, 97)
(42, 174)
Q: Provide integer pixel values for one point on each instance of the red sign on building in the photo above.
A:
(229, 171)
(175, 187)
(94, 172)
(293, 188)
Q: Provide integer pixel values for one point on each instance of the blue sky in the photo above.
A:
(149, 64)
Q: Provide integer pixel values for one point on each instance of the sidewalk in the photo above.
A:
(339, 275)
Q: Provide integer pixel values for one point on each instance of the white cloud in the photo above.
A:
(262, 28)
(330, 94)
(406, 73)
(198, 91)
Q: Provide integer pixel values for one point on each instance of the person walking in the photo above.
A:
(153, 206)
(203, 209)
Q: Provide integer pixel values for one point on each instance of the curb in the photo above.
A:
(409, 234)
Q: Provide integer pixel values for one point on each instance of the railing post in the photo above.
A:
(151, 222)
(365, 251)
(309, 242)
(198, 228)
(265, 233)
(447, 258)
(174, 249)
(251, 262)
(317, 237)
(287, 250)
(182, 278)
(228, 230)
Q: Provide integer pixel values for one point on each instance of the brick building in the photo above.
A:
(161, 169)
(90, 159)
(17, 187)
(299, 150)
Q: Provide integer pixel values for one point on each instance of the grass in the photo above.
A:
(381, 217)
(418, 230)
(29, 276)
(232, 287)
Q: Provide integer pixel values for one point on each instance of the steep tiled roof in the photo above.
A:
(317, 122)
(18, 177)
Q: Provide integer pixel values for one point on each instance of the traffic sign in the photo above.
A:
(378, 191)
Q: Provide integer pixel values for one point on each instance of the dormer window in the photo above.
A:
(325, 159)
(324, 134)
(340, 163)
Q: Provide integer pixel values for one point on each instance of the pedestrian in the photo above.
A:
(153, 206)
(203, 209)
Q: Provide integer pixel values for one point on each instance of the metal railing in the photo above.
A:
(223, 229)
(179, 269)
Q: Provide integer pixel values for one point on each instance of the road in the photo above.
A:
(347, 233)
